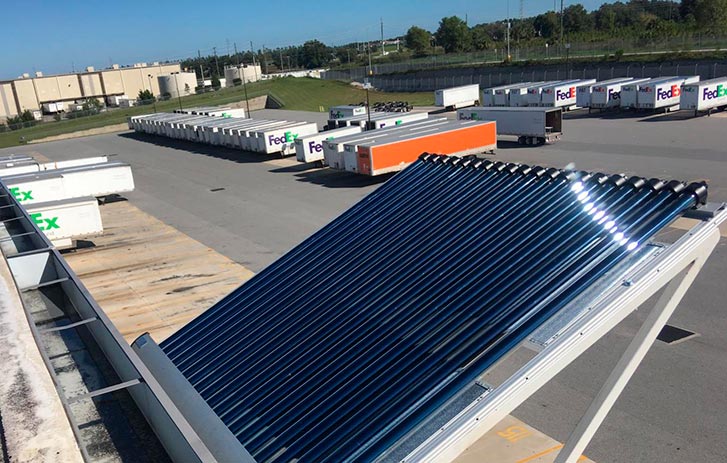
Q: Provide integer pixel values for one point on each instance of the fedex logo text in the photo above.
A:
(673, 92)
(612, 95)
(719, 92)
(288, 137)
(561, 95)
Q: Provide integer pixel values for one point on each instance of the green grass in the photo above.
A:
(295, 93)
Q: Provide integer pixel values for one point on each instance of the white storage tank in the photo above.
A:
(177, 84)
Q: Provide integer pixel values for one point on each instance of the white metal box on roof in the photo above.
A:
(608, 94)
(309, 148)
(664, 93)
(457, 97)
(73, 182)
(531, 125)
(33, 166)
(338, 112)
(704, 95)
(66, 220)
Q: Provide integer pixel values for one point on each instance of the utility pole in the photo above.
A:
(561, 25)
(265, 57)
(282, 67)
(508, 30)
(201, 70)
(252, 50)
(522, 9)
(217, 64)
(237, 57)
(368, 45)
(382, 36)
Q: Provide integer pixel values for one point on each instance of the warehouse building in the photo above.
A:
(31, 93)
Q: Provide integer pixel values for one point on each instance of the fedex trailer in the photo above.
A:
(607, 94)
(502, 96)
(338, 112)
(704, 96)
(532, 126)
(454, 137)
(350, 149)
(584, 93)
(457, 97)
(532, 95)
(488, 94)
(664, 93)
(282, 139)
(309, 148)
(562, 95)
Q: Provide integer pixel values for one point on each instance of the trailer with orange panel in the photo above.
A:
(456, 137)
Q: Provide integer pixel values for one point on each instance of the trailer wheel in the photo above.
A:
(521, 140)
(541, 141)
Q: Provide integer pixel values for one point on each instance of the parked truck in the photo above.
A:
(457, 97)
(531, 126)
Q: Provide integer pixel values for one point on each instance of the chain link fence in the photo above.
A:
(683, 43)
(488, 77)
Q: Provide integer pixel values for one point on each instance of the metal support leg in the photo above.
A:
(627, 364)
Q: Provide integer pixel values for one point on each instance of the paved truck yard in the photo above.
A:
(252, 209)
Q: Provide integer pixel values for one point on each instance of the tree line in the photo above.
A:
(644, 20)
(639, 19)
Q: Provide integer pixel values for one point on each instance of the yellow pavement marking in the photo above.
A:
(513, 441)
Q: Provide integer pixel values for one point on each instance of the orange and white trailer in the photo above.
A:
(455, 137)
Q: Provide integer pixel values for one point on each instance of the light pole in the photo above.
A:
(153, 99)
(179, 95)
(244, 87)
(367, 86)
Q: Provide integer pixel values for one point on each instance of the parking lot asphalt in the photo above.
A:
(253, 209)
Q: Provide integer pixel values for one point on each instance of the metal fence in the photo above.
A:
(688, 42)
(491, 77)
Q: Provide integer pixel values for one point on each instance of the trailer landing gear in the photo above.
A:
(532, 141)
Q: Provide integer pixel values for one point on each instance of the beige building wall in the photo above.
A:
(69, 87)
(134, 81)
(7, 101)
(25, 95)
(91, 84)
(112, 82)
(46, 89)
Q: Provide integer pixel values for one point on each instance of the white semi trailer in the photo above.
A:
(706, 95)
(457, 97)
(663, 94)
(531, 126)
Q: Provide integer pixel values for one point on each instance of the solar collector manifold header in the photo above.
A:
(345, 346)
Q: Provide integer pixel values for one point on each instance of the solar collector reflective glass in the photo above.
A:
(343, 338)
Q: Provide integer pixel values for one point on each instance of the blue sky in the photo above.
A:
(55, 35)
